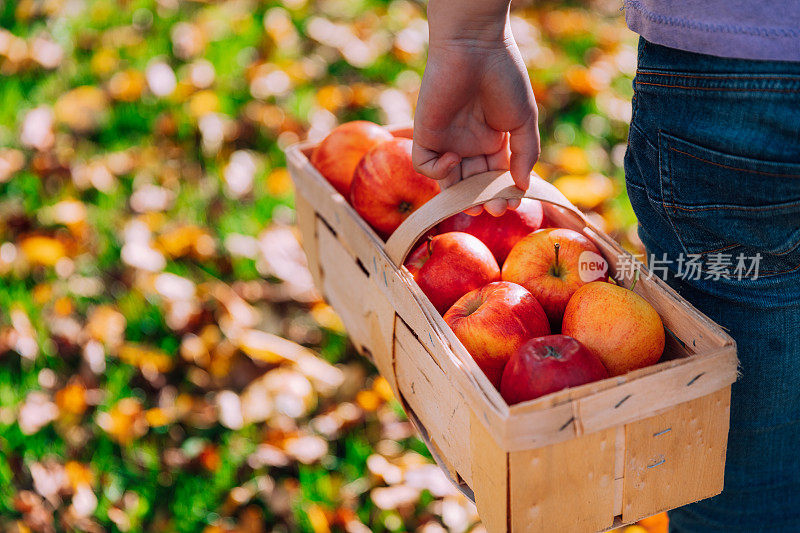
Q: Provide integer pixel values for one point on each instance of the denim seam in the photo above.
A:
(661, 185)
(644, 136)
(773, 174)
(726, 77)
(721, 248)
(715, 28)
(790, 250)
(778, 272)
(637, 186)
(668, 162)
(730, 89)
(720, 207)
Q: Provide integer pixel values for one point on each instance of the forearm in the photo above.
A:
(477, 20)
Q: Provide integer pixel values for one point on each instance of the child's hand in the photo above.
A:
(476, 110)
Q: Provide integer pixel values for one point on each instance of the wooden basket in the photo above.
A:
(584, 459)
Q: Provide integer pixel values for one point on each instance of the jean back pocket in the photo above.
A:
(720, 203)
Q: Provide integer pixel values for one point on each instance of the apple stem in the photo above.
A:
(635, 278)
(556, 248)
(430, 245)
(552, 352)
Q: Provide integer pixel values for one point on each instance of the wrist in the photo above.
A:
(475, 21)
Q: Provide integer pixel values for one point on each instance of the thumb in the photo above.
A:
(432, 164)
(525, 148)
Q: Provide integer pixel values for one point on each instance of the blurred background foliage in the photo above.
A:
(165, 362)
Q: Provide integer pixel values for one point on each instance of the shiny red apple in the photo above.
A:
(495, 320)
(552, 264)
(549, 364)
(338, 154)
(450, 265)
(501, 233)
(386, 188)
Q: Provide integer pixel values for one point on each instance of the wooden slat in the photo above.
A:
(367, 316)
(339, 273)
(677, 457)
(490, 471)
(307, 223)
(618, 401)
(428, 392)
(565, 396)
(643, 397)
(381, 319)
(438, 456)
(619, 468)
(619, 490)
(540, 428)
(582, 391)
(564, 487)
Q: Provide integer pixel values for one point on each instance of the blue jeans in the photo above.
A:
(713, 173)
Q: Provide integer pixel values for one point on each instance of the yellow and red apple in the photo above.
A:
(493, 321)
(552, 264)
(386, 188)
(617, 325)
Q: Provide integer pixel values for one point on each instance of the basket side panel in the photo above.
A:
(307, 223)
(438, 406)
(331, 206)
(643, 397)
(380, 321)
(567, 486)
(677, 457)
(364, 310)
(490, 471)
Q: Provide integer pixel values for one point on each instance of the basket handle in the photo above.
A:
(467, 193)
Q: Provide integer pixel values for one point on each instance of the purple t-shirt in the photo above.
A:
(746, 29)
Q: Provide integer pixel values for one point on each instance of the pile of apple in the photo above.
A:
(510, 287)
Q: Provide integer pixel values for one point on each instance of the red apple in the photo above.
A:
(501, 233)
(386, 188)
(450, 265)
(548, 364)
(338, 154)
(617, 325)
(552, 264)
(495, 320)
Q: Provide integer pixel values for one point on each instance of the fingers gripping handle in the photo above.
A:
(467, 193)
